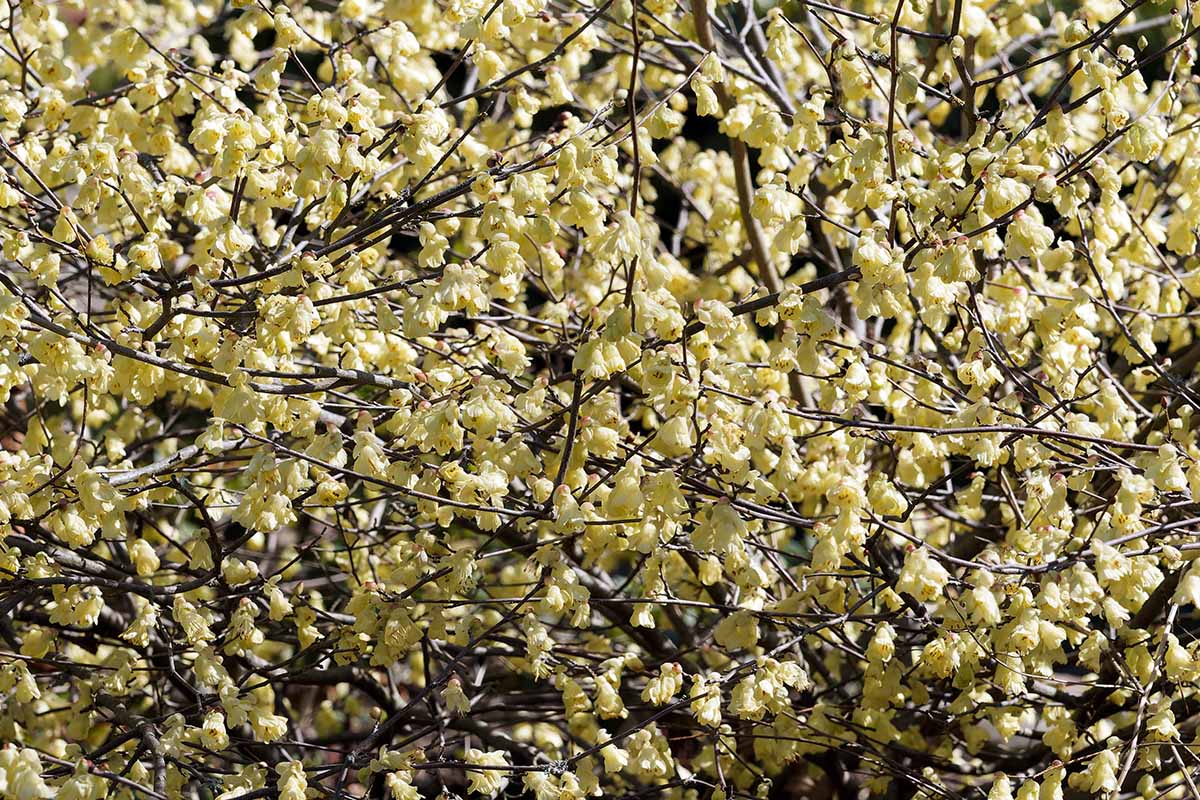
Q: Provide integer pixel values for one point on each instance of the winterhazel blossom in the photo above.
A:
(454, 398)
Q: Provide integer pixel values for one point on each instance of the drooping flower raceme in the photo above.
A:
(435, 398)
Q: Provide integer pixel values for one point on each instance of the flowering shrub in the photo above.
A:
(421, 398)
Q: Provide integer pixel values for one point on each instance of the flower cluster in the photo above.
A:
(565, 399)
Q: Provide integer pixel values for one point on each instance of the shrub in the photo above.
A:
(387, 416)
